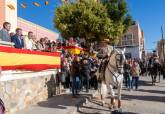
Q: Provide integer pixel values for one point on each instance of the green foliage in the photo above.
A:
(92, 20)
(118, 12)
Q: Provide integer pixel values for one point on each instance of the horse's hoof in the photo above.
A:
(120, 110)
(103, 103)
(117, 111)
(110, 107)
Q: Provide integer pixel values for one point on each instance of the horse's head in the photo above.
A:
(117, 59)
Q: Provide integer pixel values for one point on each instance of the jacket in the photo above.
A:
(18, 43)
(75, 69)
(127, 68)
(135, 70)
(86, 68)
(4, 35)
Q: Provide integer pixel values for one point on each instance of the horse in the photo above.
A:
(113, 75)
(155, 70)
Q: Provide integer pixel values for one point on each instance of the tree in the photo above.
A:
(91, 20)
(118, 12)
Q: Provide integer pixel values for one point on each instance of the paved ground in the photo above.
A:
(147, 100)
(62, 104)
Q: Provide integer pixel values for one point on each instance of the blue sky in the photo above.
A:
(149, 13)
(42, 15)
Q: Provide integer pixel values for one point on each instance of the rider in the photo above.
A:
(104, 49)
(104, 52)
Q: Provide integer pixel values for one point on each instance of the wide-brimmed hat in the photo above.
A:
(105, 40)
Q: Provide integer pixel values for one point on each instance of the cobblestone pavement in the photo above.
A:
(147, 100)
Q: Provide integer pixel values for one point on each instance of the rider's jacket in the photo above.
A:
(104, 51)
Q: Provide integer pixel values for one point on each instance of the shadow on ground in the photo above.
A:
(64, 101)
(144, 83)
(153, 91)
(97, 108)
(144, 98)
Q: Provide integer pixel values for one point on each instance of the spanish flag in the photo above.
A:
(17, 59)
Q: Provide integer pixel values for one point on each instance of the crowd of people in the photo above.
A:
(131, 69)
(29, 41)
(77, 71)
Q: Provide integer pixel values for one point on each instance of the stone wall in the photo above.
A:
(21, 93)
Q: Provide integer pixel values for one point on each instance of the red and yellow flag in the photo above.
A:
(17, 59)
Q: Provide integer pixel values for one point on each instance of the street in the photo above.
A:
(147, 100)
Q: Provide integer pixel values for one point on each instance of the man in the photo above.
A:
(104, 49)
(104, 52)
(17, 39)
(4, 32)
(28, 41)
(127, 74)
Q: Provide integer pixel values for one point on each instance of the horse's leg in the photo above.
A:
(102, 99)
(160, 75)
(103, 93)
(156, 76)
(112, 104)
(152, 79)
(119, 95)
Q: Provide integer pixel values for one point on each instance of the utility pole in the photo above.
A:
(162, 43)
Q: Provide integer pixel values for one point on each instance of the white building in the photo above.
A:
(133, 42)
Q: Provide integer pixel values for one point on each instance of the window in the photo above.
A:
(127, 40)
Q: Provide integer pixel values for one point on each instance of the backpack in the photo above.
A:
(2, 107)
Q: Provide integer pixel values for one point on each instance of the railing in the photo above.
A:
(8, 44)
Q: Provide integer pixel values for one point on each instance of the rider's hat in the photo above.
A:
(105, 40)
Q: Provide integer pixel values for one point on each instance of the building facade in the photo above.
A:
(38, 30)
(133, 42)
(8, 9)
(8, 12)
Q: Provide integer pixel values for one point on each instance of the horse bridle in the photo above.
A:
(109, 63)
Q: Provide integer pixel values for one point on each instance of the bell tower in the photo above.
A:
(8, 12)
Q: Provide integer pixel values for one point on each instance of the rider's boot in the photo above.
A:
(119, 103)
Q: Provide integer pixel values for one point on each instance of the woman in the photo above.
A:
(75, 71)
(135, 69)
(41, 44)
(86, 73)
(34, 43)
